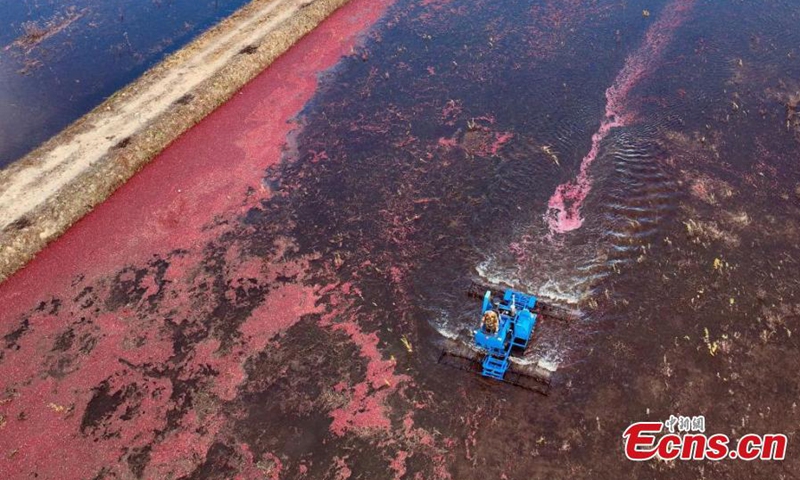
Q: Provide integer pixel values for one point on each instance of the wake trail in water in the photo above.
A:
(563, 213)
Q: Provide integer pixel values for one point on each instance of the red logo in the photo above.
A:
(643, 442)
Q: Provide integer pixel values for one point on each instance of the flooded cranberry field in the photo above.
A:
(59, 60)
(269, 297)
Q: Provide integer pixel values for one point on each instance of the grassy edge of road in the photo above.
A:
(48, 190)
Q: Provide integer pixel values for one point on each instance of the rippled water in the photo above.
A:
(490, 109)
(431, 156)
(662, 134)
(59, 60)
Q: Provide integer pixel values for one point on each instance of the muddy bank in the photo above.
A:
(54, 186)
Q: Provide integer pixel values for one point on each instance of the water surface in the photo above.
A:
(443, 149)
(59, 60)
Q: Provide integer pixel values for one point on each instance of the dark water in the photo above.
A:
(463, 122)
(91, 49)
(431, 156)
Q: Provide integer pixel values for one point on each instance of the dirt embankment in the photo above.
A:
(47, 191)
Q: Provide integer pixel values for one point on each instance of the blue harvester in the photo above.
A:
(514, 329)
(506, 328)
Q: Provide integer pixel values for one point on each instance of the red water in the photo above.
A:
(204, 175)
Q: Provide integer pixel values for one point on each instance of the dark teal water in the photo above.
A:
(97, 48)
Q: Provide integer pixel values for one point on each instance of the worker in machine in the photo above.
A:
(490, 321)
